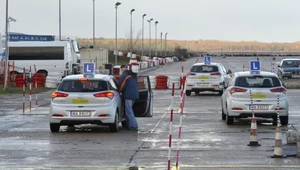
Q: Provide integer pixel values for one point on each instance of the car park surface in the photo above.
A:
(207, 142)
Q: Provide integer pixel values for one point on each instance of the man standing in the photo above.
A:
(130, 92)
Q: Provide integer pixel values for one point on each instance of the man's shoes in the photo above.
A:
(133, 129)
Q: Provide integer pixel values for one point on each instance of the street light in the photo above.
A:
(131, 32)
(94, 43)
(166, 44)
(150, 35)
(156, 22)
(116, 51)
(59, 8)
(143, 35)
(161, 49)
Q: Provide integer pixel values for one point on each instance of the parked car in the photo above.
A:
(266, 91)
(289, 68)
(207, 77)
(79, 100)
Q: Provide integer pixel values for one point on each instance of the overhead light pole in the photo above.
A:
(156, 22)
(59, 19)
(161, 44)
(116, 49)
(94, 43)
(131, 32)
(150, 36)
(143, 34)
(166, 44)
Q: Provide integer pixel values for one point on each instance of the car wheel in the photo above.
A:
(221, 92)
(223, 113)
(284, 120)
(114, 127)
(124, 124)
(229, 119)
(54, 127)
(188, 92)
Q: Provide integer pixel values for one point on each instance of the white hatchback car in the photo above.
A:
(207, 77)
(266, 90)
(79, 100)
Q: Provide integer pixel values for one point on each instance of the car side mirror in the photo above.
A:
(279, 66)
(229, 71)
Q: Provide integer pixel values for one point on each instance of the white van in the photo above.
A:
(48, 56)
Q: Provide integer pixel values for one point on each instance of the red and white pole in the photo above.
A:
(36, 92)
(179, 130)
(24, 81)
(170, 134)
(30, 90)
(181, 81)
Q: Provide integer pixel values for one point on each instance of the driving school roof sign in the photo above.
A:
(24, 37)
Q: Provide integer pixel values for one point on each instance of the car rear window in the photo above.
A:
(204, 69)
(257, 81)
(290, 63)
(83, 86)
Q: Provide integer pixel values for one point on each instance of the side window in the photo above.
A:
(112, 84)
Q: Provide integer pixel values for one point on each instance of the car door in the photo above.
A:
(143, 107)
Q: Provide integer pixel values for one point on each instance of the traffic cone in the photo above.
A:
(253, 133)
(278, 144)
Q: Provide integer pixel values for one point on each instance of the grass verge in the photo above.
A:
(19, 90)
(120, 59)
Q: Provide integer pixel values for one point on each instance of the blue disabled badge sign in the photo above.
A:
(207, 59)
(254, 67)
(88, 69)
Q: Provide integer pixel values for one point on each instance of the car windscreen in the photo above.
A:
(83, 86)
(290, 63)
(204, 69)
(258, 81)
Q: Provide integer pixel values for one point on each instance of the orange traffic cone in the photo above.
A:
(253, 133)
(278, 144)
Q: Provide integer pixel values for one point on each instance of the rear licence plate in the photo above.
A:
(259, 107)
(80, 101)
(258, 96)
(80, 114)
(203, 77)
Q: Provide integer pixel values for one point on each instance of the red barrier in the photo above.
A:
(161, 82)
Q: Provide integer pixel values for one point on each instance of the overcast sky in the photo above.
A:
(232, 20)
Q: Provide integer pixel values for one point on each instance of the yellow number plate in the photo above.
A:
(258, 96)
(80, 101)
(203, 77)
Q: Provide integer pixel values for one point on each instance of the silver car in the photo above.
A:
(207, 77)
(79, 100)
(266, 90)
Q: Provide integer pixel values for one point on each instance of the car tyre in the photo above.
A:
(221, 92)
(124, 124)
(284, 120)
(223, 114)
(54, 127)
(229, 120)
(114, 127)
(188, 92)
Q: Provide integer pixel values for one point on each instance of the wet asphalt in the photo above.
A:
(206, 141)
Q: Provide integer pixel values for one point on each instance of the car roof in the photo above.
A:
(97, 76)
(199, 64)
(290, 59)
(248, 73)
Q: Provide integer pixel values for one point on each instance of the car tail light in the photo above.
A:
(103, 115)
(57, 115)
(191, 74)
(236, 89)
(279, 90)
(280, 108)
(109, 95)
(59, 94)
(236, 108)
(215, 74)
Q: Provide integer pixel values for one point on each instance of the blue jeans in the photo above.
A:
(131, 120)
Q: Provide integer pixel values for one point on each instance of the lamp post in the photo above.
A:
(8, 19)
(94, 43)
(166, 44)
(150, 36)
(116, 51)
(161, 49)
(143, 35)
(59, 6)
(131, 32)
(156, 22)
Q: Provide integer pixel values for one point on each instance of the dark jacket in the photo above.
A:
(131, 90)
